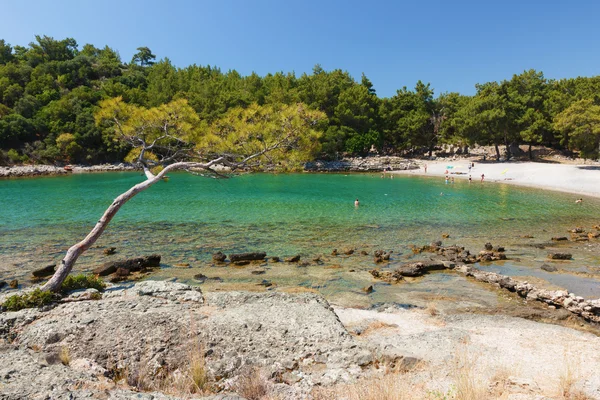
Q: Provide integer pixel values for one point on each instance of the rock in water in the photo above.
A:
(46, 271)
(560, 256)
(132, 264)
(256, 256)
(549, 268)
(110, 251)
(219, 257)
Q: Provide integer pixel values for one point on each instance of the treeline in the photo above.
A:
(50, 91)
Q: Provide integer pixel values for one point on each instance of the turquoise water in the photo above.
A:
(188, 218)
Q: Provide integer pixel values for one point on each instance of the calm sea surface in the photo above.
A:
(188, 218)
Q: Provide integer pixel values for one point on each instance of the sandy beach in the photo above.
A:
(580, 179)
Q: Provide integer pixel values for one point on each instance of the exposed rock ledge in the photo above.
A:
(362, 164)
(153, 326)
(456, 258)
(37, 170)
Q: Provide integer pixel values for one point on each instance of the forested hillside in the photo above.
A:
(50, 91)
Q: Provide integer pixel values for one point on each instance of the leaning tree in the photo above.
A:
(172, 137)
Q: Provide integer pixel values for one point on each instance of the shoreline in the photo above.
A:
(579, 179)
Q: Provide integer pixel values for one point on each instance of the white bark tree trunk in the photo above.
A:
(54, 284)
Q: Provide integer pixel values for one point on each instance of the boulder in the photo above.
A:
(368, 289)
(219, 257)
(560, 256)
(13, 284)
(349, 252)
(48, 270)
(122, 272)
(293, 259)
(412, 270)
(549, 268)
(110, 251)
(488, 246)
(132, 264)
(255, 256)
(275, 259)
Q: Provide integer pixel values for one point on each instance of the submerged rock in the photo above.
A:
(560, 256)
(110, 251)
(256, 256)
(219, 256)
(48, 270)
(549, 268)
(132, 264)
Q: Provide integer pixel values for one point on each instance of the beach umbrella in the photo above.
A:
(449, 166)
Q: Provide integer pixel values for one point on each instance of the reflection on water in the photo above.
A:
(189, 218)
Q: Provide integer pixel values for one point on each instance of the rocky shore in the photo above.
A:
(156, 340)
(136, 333)
(18, 171)
(363, 164)
(357, 164)
(457, 258)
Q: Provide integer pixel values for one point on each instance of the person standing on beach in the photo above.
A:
(425, 168)
(482, 177)
(470, 180)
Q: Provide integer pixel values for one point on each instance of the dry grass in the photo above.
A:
(376, 326)
(252, 384)
(65, 356)
(568, 381)
(388, 387)
(197, 371)
(499, 384)
(467, 385)
(432, 309)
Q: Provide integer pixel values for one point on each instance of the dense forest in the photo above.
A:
(51, 90)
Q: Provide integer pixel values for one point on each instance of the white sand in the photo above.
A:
(583, 179)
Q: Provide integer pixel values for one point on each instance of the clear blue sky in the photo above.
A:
(451, 44)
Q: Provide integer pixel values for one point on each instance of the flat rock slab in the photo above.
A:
(155, 325)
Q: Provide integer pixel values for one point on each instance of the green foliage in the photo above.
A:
(580, 125)
(82, 281)
(52, 87)
(36, 298)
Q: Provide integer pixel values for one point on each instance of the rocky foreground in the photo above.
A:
(148, 339)
(153, 328)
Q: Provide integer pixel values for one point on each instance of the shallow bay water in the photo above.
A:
(188, 218)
